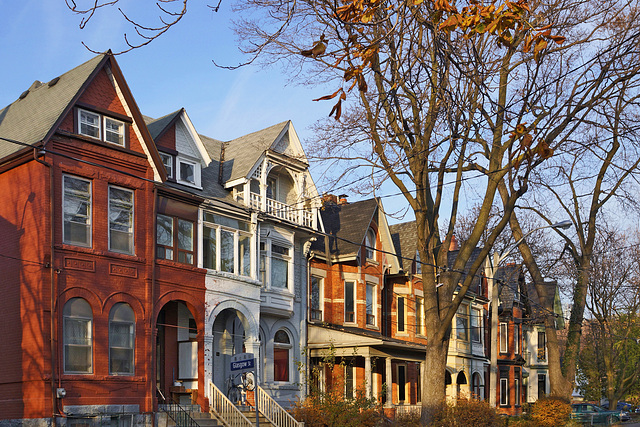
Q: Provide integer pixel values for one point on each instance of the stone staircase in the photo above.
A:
(250, 413)
(202, 419)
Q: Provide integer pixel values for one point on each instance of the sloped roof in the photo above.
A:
(346, 223)
(30, 119)
(405, 242)
(451, 258)
(242, 153)
(509, 277)
(157, 126)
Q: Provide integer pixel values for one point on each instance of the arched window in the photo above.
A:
(281, 350)
(478, 388)
(370, 243)
(77, 328)
(122, 336)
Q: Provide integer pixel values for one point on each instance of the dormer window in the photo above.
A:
(167, 161)
(101, 127)
(187, 171)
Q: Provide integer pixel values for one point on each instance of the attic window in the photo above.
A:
(101, 127)
(187, 172)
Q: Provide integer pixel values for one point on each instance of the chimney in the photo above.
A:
(329, 198)
(342, 199)
(454, 244)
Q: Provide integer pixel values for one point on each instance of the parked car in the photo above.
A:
(590, 414)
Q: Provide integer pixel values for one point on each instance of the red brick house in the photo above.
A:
(87, 311)
(362, 314)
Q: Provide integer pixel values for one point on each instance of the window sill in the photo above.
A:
(227, 275)
(176, 264)
(100, 253)
(372, 261)
(374, 327)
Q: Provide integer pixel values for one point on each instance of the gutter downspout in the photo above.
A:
(152, 330)
(52, 340)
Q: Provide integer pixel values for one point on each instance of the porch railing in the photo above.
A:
(225, 410)
(275, 413)
(408, 409)
(281, 210)
(177, 413)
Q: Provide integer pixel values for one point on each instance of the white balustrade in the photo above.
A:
(275, 413)
(224, 409)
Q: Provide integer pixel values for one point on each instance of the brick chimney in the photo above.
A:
(342, 199)
(329, 198)
(454, 244)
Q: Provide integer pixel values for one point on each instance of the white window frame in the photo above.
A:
(265, 261)
(371, 305)
(476, 324)
(91, 125)
(420, 316)
(101, 127)
(131, 231)
(87, 322)
(353, 299)
(404, 316)
(289, 348)
(238, 268)
(370, 245)
(66, 223)
(350, 370)
(516, 386)
(167, 166)
(120, 133)
(516, 338)
(504, 391)
(407, 394)
(193, 164)
(504, 337)
(418, 263)
(132, 326)
(462, 323)
(316, 314)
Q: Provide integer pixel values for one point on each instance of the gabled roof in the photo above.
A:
(159, 126)
(405, 242)
(346, 223)
(32, 117)
(509, 285)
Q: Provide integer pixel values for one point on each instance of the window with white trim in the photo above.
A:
(275, 262)
(504, 391)
(122, 336)
(401, 314)
(167, 161)
(462, 323)
(315, 298)
(349, 301)
(76, 215)
(77, 331)
(226, 244)
(281, 352)
(371, 304)
(420, 315)
(370, 243)
(186, 172)
(504, 338)
(516, 338)
(476, 322)
(101, 127)
(121, 220)
(418, 263)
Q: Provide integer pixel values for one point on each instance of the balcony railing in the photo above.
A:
(282, 210)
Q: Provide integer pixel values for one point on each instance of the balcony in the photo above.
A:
(281, 210)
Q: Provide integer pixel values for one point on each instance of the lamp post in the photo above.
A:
(491, 268)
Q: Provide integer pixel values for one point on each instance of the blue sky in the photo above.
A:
(42, 39)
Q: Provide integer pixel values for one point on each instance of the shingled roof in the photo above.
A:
(405, 242)
(242, 153)
(32, 117)
(509, 276)
(346, 223)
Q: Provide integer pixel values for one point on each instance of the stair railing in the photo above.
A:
(177, 413)
(225, 410)
(275, 413)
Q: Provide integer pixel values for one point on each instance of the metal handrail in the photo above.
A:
(225, 410)
(176, 412)
(273, 412)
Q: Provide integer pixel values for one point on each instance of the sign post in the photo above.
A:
(246, 362)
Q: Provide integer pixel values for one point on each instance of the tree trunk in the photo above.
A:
(433, 386)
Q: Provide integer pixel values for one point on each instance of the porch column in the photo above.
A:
(367, 376)
(389, 381)
(423, 370)
(253, 346)
(208, 358)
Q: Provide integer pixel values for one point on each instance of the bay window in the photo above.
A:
(476, 318)
(462, 323)
(174, 239)
(226, 244)
(275, 262)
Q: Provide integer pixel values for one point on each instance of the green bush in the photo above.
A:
(467, 413)
(333, 410)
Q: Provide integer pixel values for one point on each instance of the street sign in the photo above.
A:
(242, 362)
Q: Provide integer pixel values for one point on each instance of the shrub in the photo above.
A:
(333, 410)
(467, 413)
(551, 412)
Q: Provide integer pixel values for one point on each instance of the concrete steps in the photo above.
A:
(203, 419)
(251, 416)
